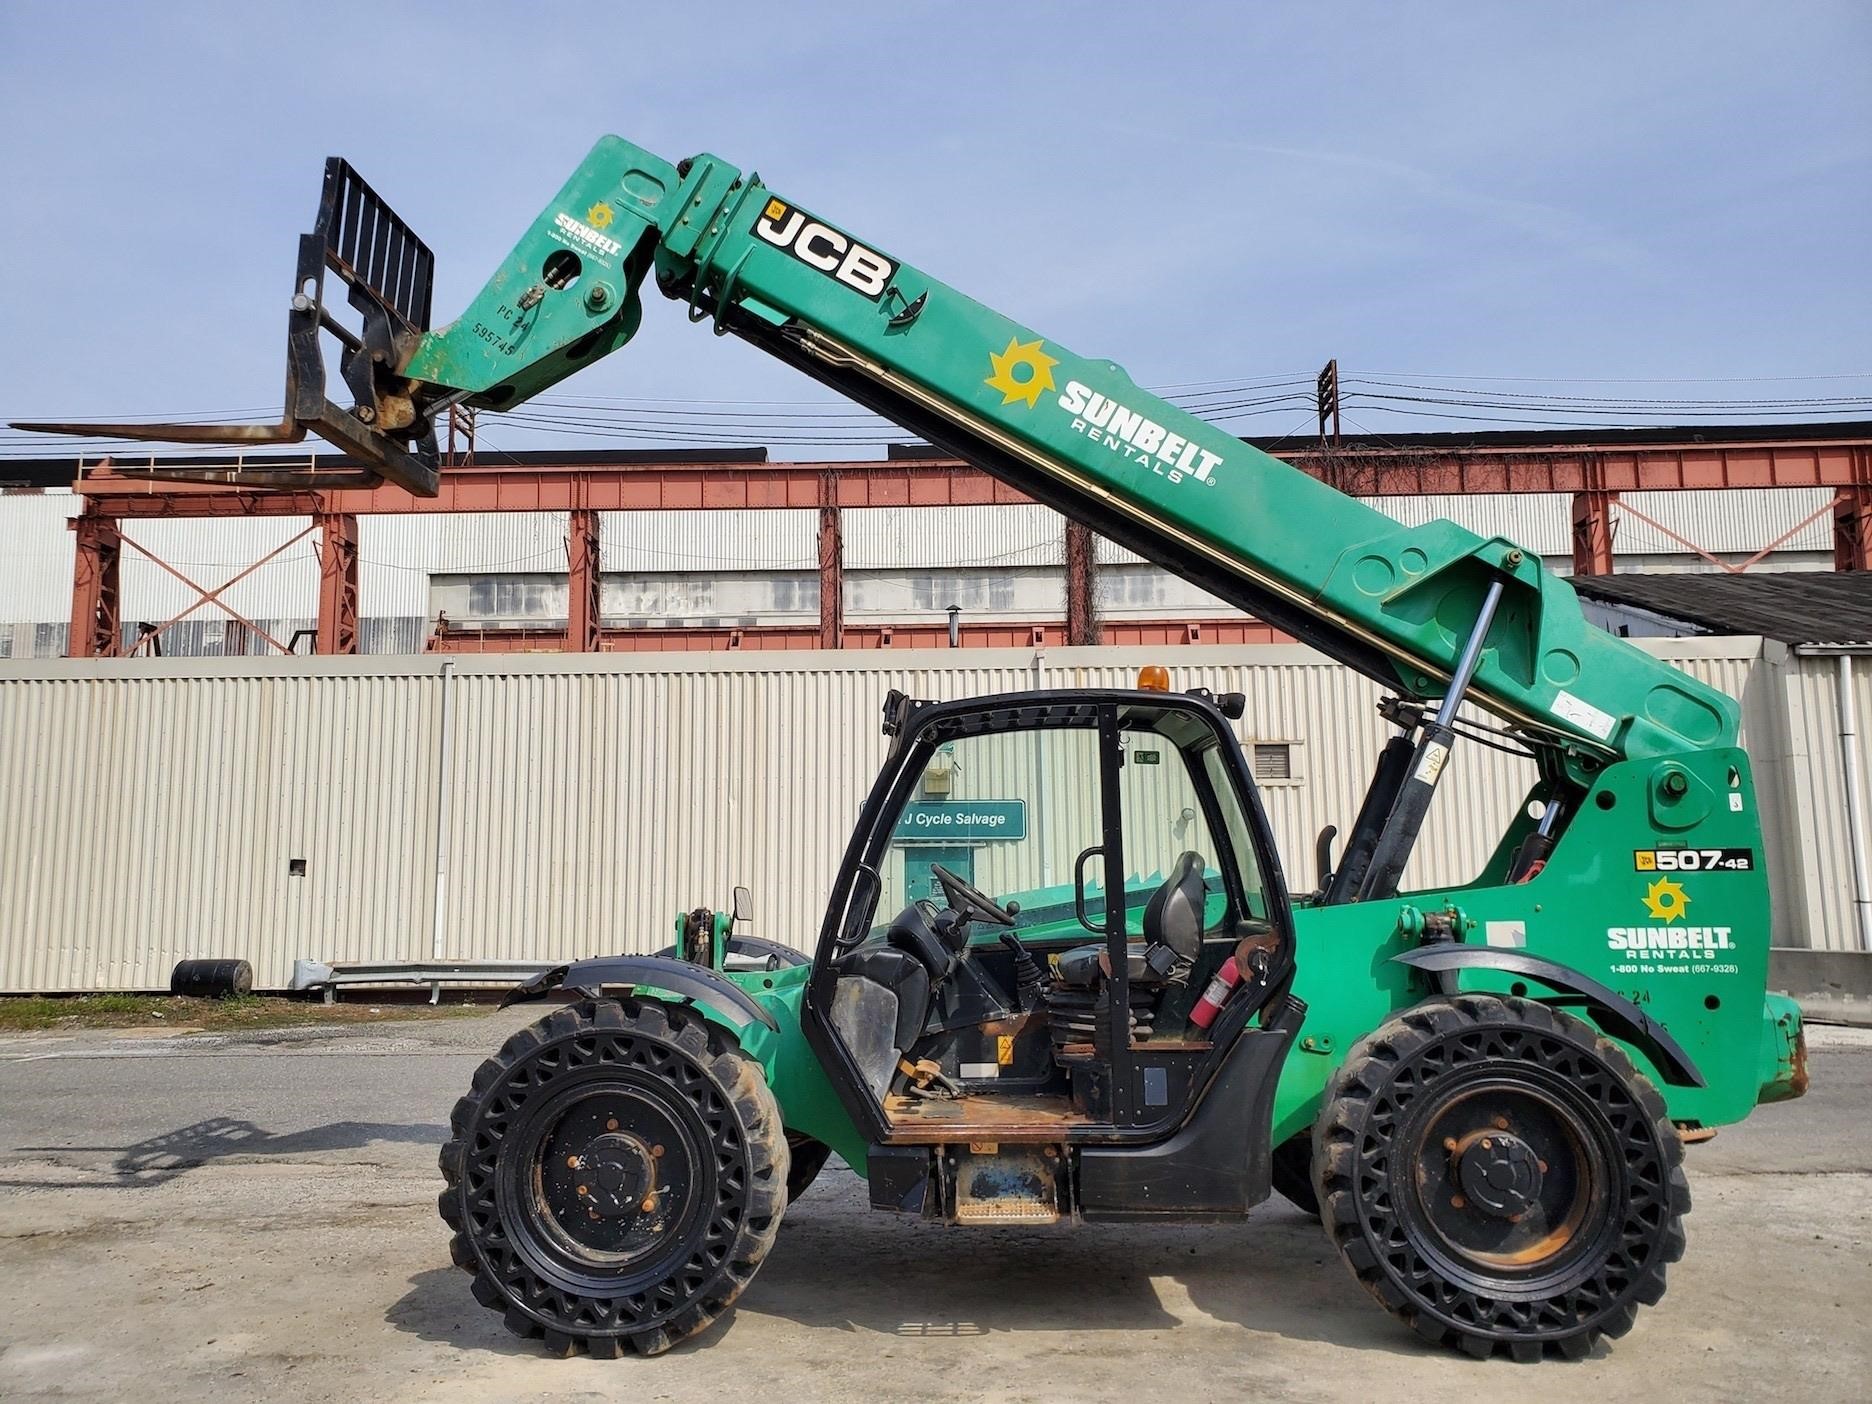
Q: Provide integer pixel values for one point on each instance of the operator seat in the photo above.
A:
(885, 992)
(1173, 932)
(879, 1007)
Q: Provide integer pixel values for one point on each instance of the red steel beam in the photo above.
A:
(1592, 532)
(1595, 471)
(1852, 529)
(96, 627)
(831, 564)
(626, 487)
(1852, 517)
(1082, 621)
(338, 583)
(583, 612)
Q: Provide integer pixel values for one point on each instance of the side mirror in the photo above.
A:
(743, 909)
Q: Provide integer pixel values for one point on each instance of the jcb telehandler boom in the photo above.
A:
(1485, 1097)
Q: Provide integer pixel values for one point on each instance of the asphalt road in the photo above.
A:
(196, 1217)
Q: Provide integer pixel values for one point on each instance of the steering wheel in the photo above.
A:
(971, 902)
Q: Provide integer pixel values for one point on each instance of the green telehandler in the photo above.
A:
(1062, 975)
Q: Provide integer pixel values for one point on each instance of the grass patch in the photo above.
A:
(34, 1013)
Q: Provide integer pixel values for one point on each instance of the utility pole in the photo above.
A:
(1328, 397)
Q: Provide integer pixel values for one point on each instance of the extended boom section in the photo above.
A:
(1396, 602)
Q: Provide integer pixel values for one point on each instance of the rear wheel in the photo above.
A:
(1499, 1176)
(614, 1177)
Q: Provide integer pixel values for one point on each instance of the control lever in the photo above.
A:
(1031, 980)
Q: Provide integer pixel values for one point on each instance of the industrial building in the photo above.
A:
(675, 550)
(570, 657)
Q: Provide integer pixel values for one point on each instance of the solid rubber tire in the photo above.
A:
(1652, 1204)
(684, 1050)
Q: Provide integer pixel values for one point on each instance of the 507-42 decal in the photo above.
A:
(1693, 860)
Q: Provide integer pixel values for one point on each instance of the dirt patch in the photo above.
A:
(176, 1014)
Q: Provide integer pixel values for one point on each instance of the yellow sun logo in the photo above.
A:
(1021, 356)
(599, 216)
(1665, 899)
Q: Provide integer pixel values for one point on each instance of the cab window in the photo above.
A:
(1164, 819)
(1179, 799)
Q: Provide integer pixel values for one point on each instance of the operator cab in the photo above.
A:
(1057, 914)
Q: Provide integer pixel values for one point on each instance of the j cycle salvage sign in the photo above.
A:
(961, 821)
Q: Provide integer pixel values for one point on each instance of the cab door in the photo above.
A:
(1014, 801)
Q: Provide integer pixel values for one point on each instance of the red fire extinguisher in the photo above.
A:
(1227, 977)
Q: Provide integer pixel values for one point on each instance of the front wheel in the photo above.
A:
(614, 1177)
(1501, 1177)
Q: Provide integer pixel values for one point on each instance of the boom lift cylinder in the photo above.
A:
(1393, 765)
(1427, 763)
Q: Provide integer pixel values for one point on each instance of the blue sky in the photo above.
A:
(1579, 193)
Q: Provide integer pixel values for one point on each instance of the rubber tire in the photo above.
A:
(1525, 1031)
(809, 1158)
(1292, 1170)
(651, 1029)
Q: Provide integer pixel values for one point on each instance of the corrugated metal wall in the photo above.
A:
(151, 815)
(1812, 797)
(153, 808)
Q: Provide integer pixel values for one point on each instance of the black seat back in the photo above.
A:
(1174, 914)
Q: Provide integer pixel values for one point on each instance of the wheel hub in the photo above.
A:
(1499, 1172)
(619, 1175)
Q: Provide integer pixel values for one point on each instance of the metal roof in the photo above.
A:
(1795, 607)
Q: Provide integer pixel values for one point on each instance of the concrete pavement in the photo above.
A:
(227, 1219)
